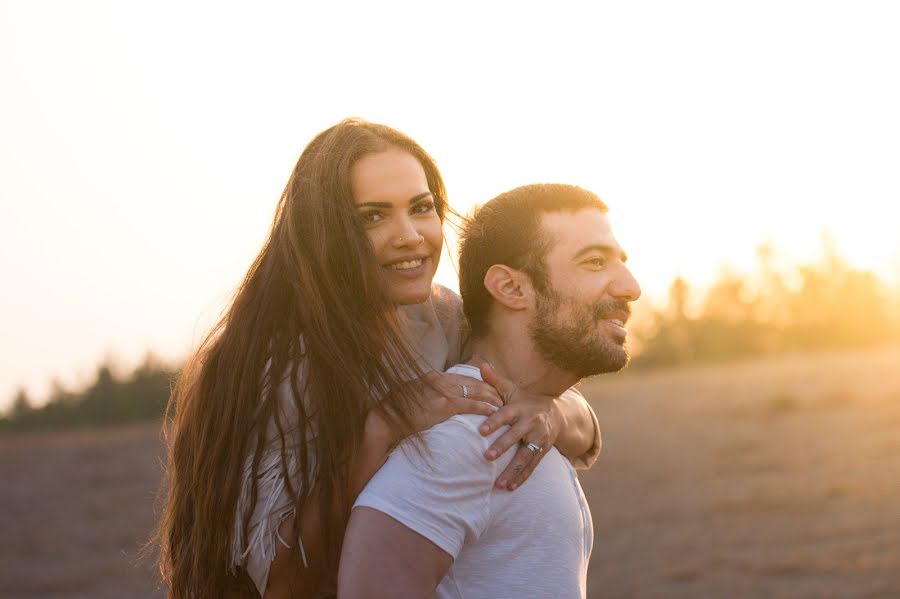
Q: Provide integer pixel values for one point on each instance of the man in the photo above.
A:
(546, 292)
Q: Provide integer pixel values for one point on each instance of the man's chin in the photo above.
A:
(609, 358)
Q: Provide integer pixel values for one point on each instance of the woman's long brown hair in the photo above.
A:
(312, 299)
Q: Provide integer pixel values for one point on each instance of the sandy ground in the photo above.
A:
(767, 478)
(76, 508)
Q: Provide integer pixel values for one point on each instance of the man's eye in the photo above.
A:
(599, 262)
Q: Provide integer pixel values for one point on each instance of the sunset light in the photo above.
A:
(715, 415)
(145, 148)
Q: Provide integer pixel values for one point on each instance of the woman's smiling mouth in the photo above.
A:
(407, 264)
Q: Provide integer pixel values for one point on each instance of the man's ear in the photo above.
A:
(508, 286)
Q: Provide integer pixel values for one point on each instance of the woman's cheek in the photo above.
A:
(378, 241)
(435, 235)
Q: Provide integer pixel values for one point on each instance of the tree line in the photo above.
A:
(818, 306)
(110, 400)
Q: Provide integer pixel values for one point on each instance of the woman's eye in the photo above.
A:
(370, 218)
(423, 207)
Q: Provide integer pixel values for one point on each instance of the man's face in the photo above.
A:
(579, 319)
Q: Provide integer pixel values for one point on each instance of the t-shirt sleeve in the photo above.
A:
(439, 488)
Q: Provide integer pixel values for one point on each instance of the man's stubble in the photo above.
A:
(570, 334)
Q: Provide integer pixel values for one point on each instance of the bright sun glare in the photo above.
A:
(145, 146)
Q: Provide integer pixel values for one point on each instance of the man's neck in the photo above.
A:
(514, 357)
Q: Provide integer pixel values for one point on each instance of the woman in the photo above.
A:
(296, 397)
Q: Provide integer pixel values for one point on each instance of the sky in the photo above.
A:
(143, 146)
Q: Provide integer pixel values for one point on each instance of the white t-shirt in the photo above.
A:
(533, 542)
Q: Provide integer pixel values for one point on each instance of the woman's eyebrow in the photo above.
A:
(412, 201)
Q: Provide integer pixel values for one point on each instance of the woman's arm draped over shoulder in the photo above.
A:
(566, 422)
(572, 417)
(579, 433)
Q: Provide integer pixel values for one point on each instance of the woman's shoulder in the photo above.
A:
(448, 307)
(446, 301)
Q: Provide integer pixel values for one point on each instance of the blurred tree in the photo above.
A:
(21, 405)
(818, 306)
(773, 290)
(669, 338)
(109, 400)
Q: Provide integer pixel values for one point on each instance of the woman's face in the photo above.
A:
(397, 209)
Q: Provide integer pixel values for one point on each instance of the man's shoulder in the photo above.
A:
(453, 445)
(456, 442)
(466, 370)
(456, 438)
(462, 428)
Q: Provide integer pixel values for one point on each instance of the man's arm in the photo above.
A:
(383, 558)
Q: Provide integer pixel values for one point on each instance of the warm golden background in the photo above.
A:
(749, 155)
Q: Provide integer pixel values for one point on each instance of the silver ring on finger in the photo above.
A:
(534, 448)
(465, 391)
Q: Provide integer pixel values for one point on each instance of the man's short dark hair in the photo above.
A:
(507, 230)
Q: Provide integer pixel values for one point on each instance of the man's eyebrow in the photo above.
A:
(412, 201)
(601, 247)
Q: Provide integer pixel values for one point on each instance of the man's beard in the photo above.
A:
(572, 335)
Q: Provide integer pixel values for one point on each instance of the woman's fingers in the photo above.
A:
(507, 440)
(505, 415)
(526, 471)
(505, 387)
(516, 467)
(457, 385)
(471, 406)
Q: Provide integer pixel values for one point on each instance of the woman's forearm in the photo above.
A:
(579, 435)
(288, 576)
(378, 439)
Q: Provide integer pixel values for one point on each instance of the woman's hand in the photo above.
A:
(534, 420)
(451, 394)
(447, 395)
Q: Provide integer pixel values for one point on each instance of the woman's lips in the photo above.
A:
(409, 269)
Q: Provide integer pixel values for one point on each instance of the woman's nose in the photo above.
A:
(406, 234)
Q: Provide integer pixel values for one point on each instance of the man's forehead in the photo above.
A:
(569, 232)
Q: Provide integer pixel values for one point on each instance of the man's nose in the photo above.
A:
(625, 286)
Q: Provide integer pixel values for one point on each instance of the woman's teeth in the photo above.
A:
(408, 265)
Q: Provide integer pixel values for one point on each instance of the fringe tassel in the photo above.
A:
(272, 509)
